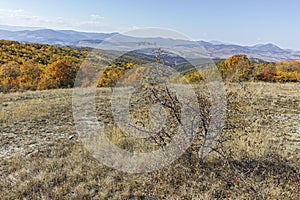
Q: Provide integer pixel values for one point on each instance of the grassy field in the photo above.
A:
(41, 156)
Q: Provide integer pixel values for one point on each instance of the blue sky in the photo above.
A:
(240, 22)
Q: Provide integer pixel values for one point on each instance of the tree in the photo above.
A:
(236, 68)
(29, 76)
(9, 74)
(264, 72)
(192, 78)
(287, 71)
(113, 73)
(58, 75)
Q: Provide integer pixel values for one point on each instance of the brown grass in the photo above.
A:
(42, 158)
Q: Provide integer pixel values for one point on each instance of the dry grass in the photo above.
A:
(41, 157)
(30, 106)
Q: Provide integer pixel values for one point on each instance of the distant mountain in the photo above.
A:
(17, 28)
(268, 52)
(267, 48)
(53, 37)
(213, 49)
(216, 42)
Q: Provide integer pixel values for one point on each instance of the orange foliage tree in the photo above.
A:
(9, 74)
(264, 72)
(29, 76)
(58, 75)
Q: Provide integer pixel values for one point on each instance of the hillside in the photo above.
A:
(12, 51)
(32, 66)
(36, 66)
(42, 157)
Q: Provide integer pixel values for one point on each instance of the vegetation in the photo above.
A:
(236, 68)
(42, 157)
(287, 71)
(38, 67)
(239, 68)
(114, 73)
(58, 75)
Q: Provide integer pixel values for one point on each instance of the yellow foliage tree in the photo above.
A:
(113, 73)
(287, 71)
(193, 78)
(236, 68)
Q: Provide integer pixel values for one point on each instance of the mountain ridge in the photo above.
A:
(268, 52)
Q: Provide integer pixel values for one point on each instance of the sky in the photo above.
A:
(244, 22)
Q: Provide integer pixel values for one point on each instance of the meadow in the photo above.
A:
(41, 156)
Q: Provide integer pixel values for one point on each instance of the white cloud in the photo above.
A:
(12, 13)
(19, 17)
(96, 17)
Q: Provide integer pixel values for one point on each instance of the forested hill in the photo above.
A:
(29, 66)
(38, 66)
(43, 54)
(33, 66)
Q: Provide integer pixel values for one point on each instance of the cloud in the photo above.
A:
(12, 13)
(96, 17)
(20, 17)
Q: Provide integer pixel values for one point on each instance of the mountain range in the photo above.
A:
(214, 49)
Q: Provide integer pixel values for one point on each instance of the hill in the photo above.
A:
(42, 156)
(36, 66)
(39, 66)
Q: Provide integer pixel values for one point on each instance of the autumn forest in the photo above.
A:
(38, 67)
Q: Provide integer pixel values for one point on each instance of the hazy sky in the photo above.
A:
(235, 21)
